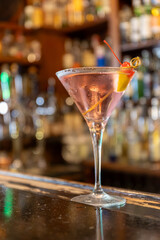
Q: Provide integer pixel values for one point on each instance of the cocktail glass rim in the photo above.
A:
(80, 70)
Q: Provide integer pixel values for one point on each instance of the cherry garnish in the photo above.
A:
(125, 64)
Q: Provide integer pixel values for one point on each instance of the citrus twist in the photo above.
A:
(135, 62)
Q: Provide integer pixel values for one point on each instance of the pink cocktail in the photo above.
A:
(96, 92)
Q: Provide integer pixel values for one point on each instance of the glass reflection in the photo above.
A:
(99, 224)
(8, 203)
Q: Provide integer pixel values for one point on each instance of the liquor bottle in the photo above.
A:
(89, 10)
(147, 76)
(51, 98)
(103, 8)
(143, 129)
(125, 16)
(156, 74)
(4, 115)
(100, 56)
(140, 84)
(28, 16)
(119, 133)
(99, 51)
(48, 9)
(145, 21)
(58, 18)
(135, 21)
(33, 81)
(68, 58)
(78, 11)
(155, 21)
(17, 83)
(63, 7)
(5, 82)
(98, 6)
(7, 42)
(14, 117)
(70, 13)
(106, 8)
(112, 136)
(88, 56)
(37, 15)
(76, 51)
(154, 137)
(132, 134)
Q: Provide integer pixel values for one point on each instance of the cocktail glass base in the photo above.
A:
(100, 200)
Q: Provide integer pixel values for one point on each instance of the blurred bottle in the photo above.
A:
(76, 51)
(17, 84)
(106, 8)
(146, 21)
(156, 72)
(33, 82)
(87, 54)
(99, 51)
(78, 11)
(140, 84)
(70, 13)
(58, 18)
(64, 13)
(4, 100)
(7, 42)
(133, 137)
(143, 129)
(34, 53)
(147, 76)
(51, 98)
(89, 10)
(68, 58)
(125, 16)
(16, 117)
(156, 21)
(19, 48)
(5, 78)
(154, 139)
(28, 16)
(135, 21)
(48, 8)
(111, 137)
(37, 14)
(102, 7)
(98, 6)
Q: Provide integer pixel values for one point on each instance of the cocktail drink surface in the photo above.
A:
(96, 92)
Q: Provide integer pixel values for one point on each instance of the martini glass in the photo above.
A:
(96, 92)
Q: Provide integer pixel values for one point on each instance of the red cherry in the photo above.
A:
(125, 64)
(129, 71)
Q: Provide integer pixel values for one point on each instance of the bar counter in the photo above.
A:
(33, 207)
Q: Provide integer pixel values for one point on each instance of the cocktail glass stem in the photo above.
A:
(97, 135)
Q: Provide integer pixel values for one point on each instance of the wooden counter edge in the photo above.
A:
(67, 189)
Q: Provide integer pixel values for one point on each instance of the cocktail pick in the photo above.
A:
(134, 63)
(112, 51)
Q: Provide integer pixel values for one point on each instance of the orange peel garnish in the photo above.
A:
(99, 102)
(135, 62)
